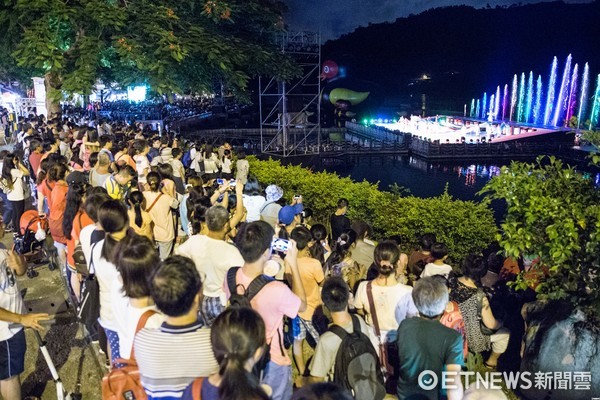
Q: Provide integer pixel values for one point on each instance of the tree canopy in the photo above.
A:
(174, 46)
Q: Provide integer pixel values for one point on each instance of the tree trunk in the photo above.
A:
(53, 83)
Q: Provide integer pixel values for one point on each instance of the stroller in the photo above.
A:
(30, 242)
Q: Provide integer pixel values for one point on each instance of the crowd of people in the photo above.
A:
(218, 287)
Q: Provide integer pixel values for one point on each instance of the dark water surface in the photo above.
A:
(421, 177)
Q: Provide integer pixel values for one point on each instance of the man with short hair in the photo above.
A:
(335, 294)
(106, 144)
(213, 257)
(425, 344)
(117, 186)
(274, 301)
(155, 149)
(338, 220)
(171, 357)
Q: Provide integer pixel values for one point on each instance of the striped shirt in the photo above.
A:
(114, 189)
(171, 357)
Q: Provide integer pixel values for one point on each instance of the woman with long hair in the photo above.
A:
(74, 220)
(57, 205)
(122, 156)
(211, 162)
(475, 308)
(321, 250)
(112, 217)
(136, 259)
(253, 199)
(165, 171)
(13, 184)
(160, 203)
(341, 263)
(238, 342)
(139, 220)
(311, 273)
(44, 187)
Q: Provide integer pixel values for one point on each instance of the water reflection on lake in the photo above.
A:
(424, 178)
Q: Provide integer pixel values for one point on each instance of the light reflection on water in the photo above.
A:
(424, 178)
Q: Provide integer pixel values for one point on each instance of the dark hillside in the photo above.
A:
(467, 51)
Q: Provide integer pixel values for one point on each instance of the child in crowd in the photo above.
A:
(439, 253)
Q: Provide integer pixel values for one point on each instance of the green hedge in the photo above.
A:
(464, 226)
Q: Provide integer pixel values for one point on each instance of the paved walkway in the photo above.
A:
(77, 363)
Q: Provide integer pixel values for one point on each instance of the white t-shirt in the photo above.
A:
(127, 318)
(213, 258)
(392, 303)
(16, 194)
(434, 269)
(177, 167)
(141, 164)
(226, 166)
(10, 298)
(253, 205)
(108, 277)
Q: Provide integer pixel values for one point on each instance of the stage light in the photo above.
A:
(365, 121)
(136, 93)
(372, 121)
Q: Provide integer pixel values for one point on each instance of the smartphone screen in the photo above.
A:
(280, 245)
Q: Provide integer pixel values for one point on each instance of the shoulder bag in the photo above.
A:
(388, 351)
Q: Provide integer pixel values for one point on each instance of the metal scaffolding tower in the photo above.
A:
(292, 110)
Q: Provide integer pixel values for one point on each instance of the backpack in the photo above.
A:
(88, 310)
(453, 319)
(357, 366)
(79, 256)
(186, 160)
(243, 300)
(124, 382)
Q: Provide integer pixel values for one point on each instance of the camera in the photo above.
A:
(297, 197)
(280, 245)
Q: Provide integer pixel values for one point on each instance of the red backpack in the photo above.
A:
(453, 319)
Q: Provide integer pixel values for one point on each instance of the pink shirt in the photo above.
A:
(273, 302)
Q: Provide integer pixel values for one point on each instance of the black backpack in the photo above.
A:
(243, 300)
(357, 366)
(88, 310)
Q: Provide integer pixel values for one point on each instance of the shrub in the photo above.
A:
(464, 226)
(554, 214)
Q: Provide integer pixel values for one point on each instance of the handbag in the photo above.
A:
(88, 310)
(484, 329)
(388, 351)
(125, 382)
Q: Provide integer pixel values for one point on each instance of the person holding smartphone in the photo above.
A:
(13, 172)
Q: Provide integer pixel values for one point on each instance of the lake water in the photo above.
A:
(421, 177)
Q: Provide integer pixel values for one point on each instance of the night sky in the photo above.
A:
(336, 17)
